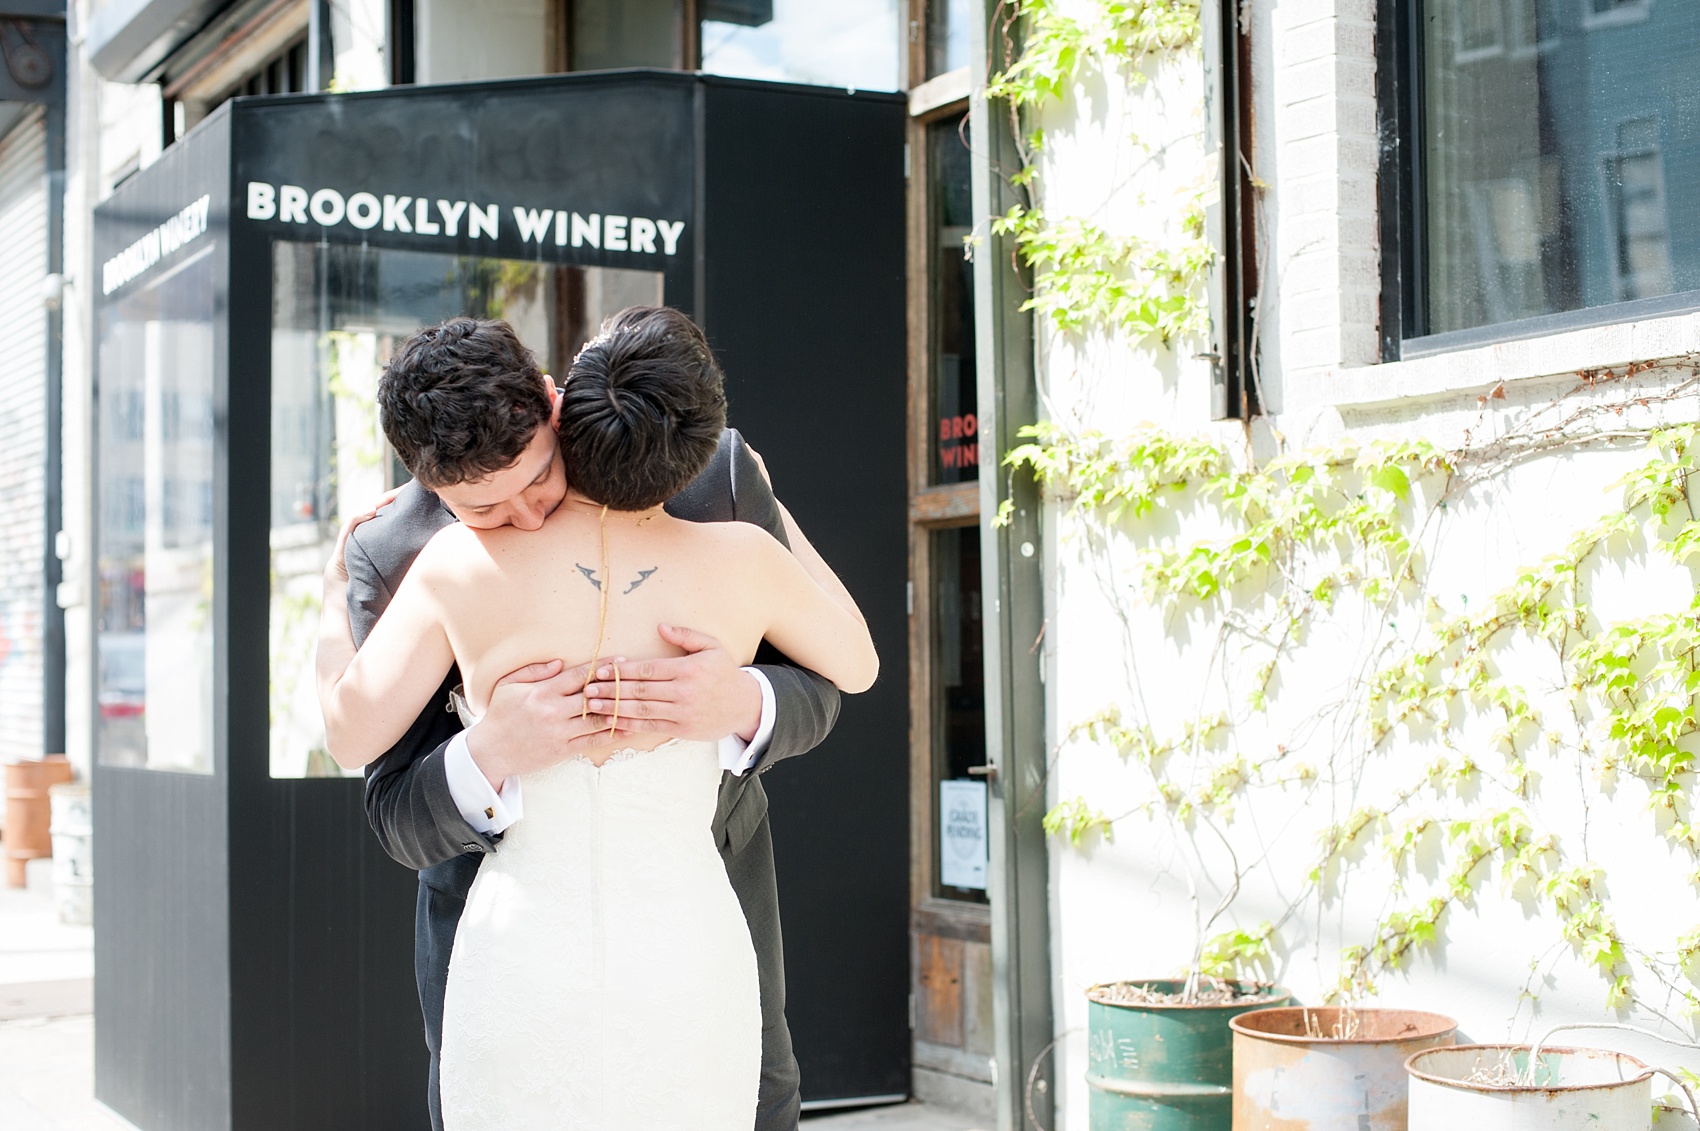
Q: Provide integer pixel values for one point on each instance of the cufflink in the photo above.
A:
(490, 812)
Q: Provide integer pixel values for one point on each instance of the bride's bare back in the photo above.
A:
(496, 600)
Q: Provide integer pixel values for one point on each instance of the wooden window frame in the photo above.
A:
(931, 507)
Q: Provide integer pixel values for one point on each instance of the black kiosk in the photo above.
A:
(254, 943)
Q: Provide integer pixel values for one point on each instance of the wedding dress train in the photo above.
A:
(603, 977)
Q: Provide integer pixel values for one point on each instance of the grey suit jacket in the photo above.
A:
(407, 795)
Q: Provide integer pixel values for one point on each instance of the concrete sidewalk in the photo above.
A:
(46, 1033)
(898, 1117)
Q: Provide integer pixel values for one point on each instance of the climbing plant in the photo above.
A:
(1085, 276)
(1532, 681)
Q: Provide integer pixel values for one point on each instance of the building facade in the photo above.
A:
(32, 163)
(1393, 232)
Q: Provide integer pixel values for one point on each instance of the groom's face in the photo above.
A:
(522, 494)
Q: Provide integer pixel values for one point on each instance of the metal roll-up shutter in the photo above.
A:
(23, 433)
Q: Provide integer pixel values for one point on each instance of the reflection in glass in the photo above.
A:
(850, 43)
(955, 450)
(338, 312)
(623, 33)
(1558, 176)
(959, 675)
(947, 35)
(156, 427)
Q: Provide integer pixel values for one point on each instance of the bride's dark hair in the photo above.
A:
(643, 409)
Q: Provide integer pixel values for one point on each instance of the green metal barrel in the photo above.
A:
(1164, 1067)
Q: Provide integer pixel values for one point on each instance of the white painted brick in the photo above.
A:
(1314, 155)
(1359, 307)
(1357, 116)
(1318, 40)
(1359, 230)
(1360, 268)
(1361, 345)
(1309, 193)
(1315, 270)
(1314, 117)
(1317, 79)
(1311, 348)
(1315, 310)
(1307, 229)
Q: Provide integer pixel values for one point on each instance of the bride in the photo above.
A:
(602, 977)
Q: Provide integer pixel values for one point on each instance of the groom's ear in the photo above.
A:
(554, 403)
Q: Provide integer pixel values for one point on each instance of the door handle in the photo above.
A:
(989, 772)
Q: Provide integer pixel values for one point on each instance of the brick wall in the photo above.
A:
(1327, 268)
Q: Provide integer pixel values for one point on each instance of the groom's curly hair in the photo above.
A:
(643, 409)
(461, 400)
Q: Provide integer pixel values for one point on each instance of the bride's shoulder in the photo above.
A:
(735, 536)
(449, 549)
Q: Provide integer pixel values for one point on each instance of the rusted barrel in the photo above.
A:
(28, 811)
(1328, 1069)
(1160, 1065)
(1481, 1088)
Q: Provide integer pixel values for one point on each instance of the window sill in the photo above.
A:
(1480, 368)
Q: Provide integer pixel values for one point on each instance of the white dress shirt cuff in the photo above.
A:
(739, 757)
(487, 810)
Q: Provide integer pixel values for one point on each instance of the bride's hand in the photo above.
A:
(336, 570)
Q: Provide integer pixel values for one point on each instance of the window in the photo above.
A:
(955, 453)
(848, 43)
(155, 555)
(947, 35)
(959, 713)
(1547, 175)
(285, 74)
(195, 87)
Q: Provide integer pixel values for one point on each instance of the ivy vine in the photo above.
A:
(1086, 277)
(1290, 542)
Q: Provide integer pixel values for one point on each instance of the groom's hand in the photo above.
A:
(704, 694)
(536, 719)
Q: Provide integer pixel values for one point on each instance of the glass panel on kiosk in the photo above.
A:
(338, 311)
(850, 43)
(155, 641)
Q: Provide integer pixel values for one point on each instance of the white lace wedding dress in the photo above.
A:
(603, 977)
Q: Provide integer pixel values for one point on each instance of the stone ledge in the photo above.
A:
(1483, 367)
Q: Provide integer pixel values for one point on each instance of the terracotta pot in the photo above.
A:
(29, 812)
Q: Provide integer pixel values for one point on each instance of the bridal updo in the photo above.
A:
(642, 410)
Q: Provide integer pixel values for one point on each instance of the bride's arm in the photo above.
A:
(813, 622)
(371, 696)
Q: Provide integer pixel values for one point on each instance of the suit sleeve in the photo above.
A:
(408, 802)
(806, 703)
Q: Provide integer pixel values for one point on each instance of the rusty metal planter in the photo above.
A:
(1164, 1067)
(1288, 1079)
(1575, 1089)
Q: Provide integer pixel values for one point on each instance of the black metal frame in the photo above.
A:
(1234, 390)
(1403, 206)
(400, 41)
(1398, 60)
(1012, 586)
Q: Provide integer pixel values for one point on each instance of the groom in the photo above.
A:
(474, 420)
